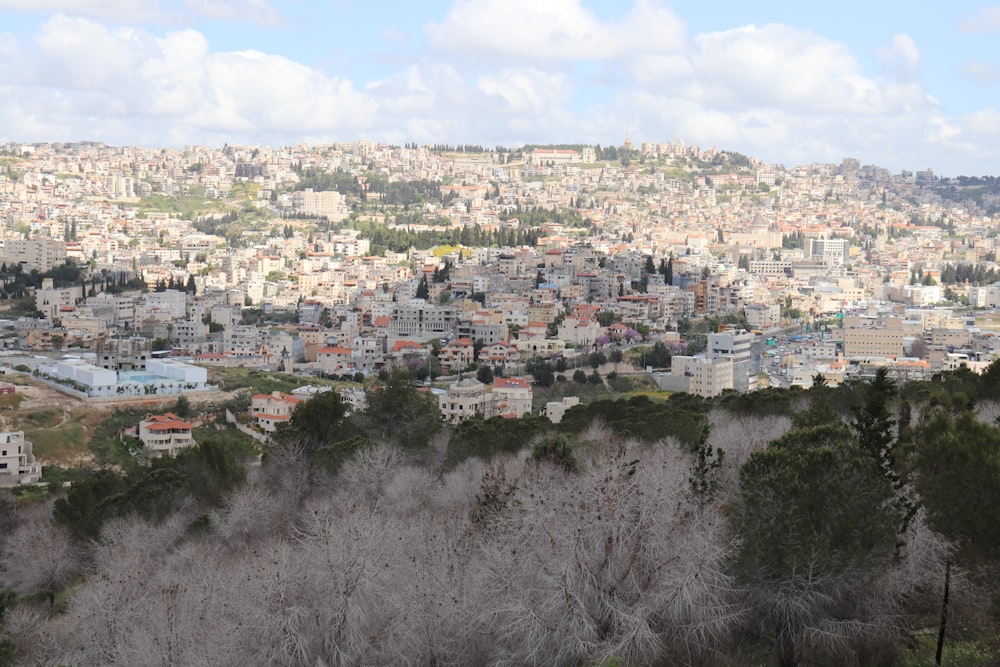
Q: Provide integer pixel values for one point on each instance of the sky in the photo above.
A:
(888, 82)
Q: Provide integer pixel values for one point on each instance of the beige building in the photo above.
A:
(555, 410)
(268, 411)
(861, 341)
(511, 397)
(864, 338)
(464, 399)
(42, 254)
(166, 433)
(329, 204)
(506, 397)
(17, 463)
(697, 375)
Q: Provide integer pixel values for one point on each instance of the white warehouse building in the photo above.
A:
(85, 373)
(176, 370)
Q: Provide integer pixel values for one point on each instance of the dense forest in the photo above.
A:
(781, 527)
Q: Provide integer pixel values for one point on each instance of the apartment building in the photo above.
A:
(697, 375)
(42, 253)
(421, 321)
(329, 204)
(124, 354)
(166, 433)
(737, 347)
(17, 463)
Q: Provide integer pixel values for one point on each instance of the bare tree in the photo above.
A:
(39, 555)
(613, 562)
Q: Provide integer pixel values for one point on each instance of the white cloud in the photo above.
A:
(773, 91)
(526, 91)
(260, 12)
(981, 71)
(118, 11)
(553, 30)
(131, 12)
(780, 67)
(394, 36)
(902, 58)
(987, 20)
(90, 78)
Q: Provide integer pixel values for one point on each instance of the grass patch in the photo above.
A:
(29, 493)
(260, 382)
(58, 438)
(11, 401)
(106, 443)
(59, 446)
(40, 418)
(958, 652)
(656, 396)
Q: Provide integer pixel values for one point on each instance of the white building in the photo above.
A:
(17, 463)
(179, 371)
(697, 375)
(555, 410)
(736, 346)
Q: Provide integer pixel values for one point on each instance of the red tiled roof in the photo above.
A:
(166, 422)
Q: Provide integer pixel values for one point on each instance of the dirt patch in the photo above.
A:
(61, 426)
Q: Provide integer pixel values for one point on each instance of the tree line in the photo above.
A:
(801, 526)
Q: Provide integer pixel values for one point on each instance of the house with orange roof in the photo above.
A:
(499, 354)
(456, 355)
(511, 397)
(166, 433)
(268, 411)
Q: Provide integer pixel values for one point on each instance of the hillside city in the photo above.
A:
(128, 271)
(567, 404)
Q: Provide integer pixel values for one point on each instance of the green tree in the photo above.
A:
(816, 524)
(182, 408)
(397, 412)
(316, 422)
(422, 288)
(485, 374)
(541, 371)
(556, 449)
(956, 470)
(874, 422)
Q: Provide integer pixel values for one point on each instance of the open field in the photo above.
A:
(61, 427)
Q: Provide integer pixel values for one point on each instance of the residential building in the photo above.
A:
(511, 397)
(268, 411)
(17, 462)
(123, 354)
(736, 346)
(464, 399)
(166, 433)
(697, 375)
